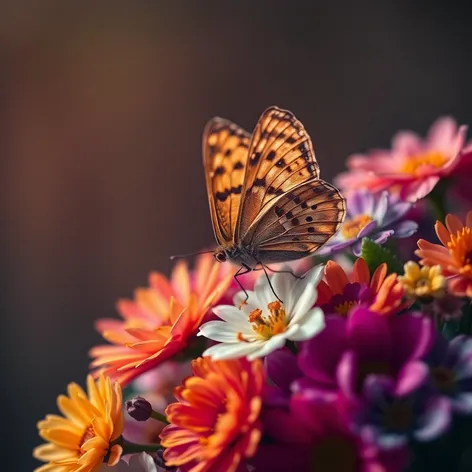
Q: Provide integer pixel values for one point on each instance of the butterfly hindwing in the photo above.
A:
(281, 157)
(225, 153)
(298, 223)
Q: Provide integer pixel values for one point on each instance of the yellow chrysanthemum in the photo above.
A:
(423, 281)
(84, 438)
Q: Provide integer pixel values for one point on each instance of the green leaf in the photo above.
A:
(374, 255)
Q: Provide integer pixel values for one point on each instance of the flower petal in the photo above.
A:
(312, 323)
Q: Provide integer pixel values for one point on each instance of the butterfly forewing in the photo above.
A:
(225, 152)
(281, 157)
(298, 223)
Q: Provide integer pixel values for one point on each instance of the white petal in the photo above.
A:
(251, 303)
(231, 351)
(305, 292)
(219, 331)
(312, 324)
(283, 284)
(231, 314)
(275, 342)
(264, 293)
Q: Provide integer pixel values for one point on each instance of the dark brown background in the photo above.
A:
(102, 105)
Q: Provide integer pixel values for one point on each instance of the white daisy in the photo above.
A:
(264, 324)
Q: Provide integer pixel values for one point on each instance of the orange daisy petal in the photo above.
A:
(335, 277)
(453, 223)
(360, 272)
(161, 320)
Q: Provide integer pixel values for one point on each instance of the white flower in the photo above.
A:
(137, 463)
(263, 324)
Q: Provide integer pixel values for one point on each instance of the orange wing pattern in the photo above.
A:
(281, 157)
(298, 223)
(225, 153)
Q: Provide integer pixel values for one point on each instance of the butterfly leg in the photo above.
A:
(240, 272)
(289, 271)
(270, 284)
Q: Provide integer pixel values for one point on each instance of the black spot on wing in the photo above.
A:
(220, 170)
(238, 165)
(255, 158)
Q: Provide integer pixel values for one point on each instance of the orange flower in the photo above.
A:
(88, 433)
(161, 320)
(336, 279)
(454, 255)
(390, 298)
(340, 292)
(215, 424)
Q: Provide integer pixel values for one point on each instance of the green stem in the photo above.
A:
(131, 448)
(155, 415)
(437, 206)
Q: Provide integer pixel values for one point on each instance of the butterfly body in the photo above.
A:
(267, 202)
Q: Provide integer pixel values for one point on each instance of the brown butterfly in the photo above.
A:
(267, 202)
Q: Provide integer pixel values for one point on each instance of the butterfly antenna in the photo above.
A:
(182, 256)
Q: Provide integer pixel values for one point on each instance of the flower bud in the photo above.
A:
(138, 408)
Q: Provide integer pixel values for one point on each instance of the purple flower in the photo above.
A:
(451, 372)
(376, 216)
(313, 432)
(394, 413)
(350, 351)
(353, 294)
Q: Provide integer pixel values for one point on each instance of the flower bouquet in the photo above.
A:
(357, 359)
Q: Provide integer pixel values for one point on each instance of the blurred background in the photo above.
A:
(102, 106)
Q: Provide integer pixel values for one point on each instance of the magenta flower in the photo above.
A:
(413, 166)
(350, 351)
(316, 435)
(376, 216)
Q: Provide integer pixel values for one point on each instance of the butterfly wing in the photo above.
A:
(281, 157)
(225, 153)
(298, 223)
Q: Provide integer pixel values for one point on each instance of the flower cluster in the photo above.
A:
(359, 360)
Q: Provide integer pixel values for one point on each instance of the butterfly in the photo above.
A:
(267, 202)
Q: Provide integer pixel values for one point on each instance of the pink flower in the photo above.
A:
(412, 167)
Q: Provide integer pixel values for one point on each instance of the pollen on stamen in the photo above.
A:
(240, 337)
(274, 306)
(256, 316)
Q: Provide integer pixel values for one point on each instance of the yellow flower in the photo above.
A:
(423, 281)
(83, 439)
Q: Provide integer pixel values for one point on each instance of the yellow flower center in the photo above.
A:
(351, 228)
(343, 308)
(432, 158)
(423, 281)
(268, 326)
(460, 248)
